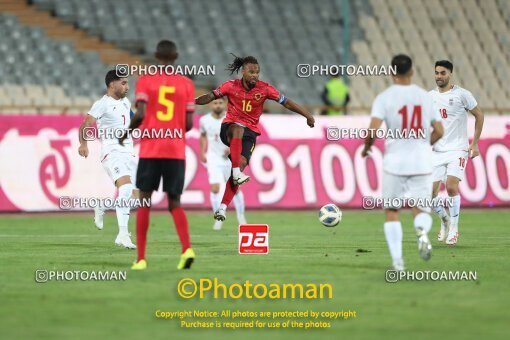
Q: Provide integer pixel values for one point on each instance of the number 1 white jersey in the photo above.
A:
(453, 105)
(404, 108)
(111, 115)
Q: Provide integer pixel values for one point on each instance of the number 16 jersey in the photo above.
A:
(246, 106)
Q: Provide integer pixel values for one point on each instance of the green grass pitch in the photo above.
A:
(301, 250)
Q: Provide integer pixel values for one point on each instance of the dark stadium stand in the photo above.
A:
(279, 35)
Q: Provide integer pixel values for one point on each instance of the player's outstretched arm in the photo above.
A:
(437, 133)
(375, 124)
(294, 107)
(205, 98)
(136, 121)
(473, 148)
(83, 150)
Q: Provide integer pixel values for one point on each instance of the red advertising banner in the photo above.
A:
(292, 166)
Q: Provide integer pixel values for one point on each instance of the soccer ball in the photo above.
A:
(330, 215)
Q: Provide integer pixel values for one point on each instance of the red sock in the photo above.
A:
(181, 224)
(236, 147)
(230, 191)
(142, 225)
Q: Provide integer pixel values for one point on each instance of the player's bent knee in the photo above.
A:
(238, 131)
(145, 194)
(452, 192)
(435, 188)
(215, 188)
(173, 205)
(145, 198)
(123, 180)
(452, 186)
(174, 201)
(391, 215)
(452, 189)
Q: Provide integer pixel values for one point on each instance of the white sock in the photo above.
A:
(393, 233)
(455, 211)
(440, 210)
(423, 221)
(215, 201)
(122, 211)
(236, 171)
(101, 205)
(239, 202)
(223, 206)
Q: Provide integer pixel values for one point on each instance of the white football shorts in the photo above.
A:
(402, 187)
(449, 163)
(119, 164)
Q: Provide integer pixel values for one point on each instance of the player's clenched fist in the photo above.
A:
(310, 121)
(203, 158)
(83, 150)
(473, 150)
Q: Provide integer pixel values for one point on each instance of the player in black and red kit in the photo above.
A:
(164, 102)
(239, 130)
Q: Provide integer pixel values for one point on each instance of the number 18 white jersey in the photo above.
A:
(404, 108)
(453, 105)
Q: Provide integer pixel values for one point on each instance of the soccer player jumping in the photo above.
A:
(239, 130)
(214, 155)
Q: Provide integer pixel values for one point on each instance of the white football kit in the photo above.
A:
(451, 151)
(111, 116)
(218, 164)
(407, 162)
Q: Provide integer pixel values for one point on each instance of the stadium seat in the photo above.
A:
(46, 61)
(475, 35)
(445, 30)
(222, 17)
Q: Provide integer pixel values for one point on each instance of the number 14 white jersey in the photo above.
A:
(406, 108)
